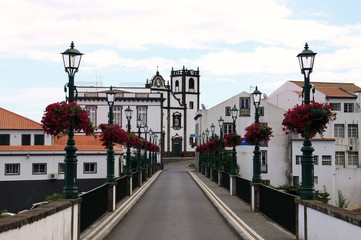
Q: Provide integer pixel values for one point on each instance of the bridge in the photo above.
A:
(179, 202)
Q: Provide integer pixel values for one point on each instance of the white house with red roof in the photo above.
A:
(32, 162)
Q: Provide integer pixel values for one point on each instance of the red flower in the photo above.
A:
(57, 117)
(232, 139)
(311, 117)
(258, 132)
(112, 134)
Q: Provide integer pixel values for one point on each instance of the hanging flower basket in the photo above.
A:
(232, 139)
(258, 132)
(112, 134)
(57, 116)
(312, 117)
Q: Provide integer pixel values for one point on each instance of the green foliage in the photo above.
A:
(323, 196)
(293, 189)
(54, 197)
(342, 201)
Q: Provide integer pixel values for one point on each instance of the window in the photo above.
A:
(191, 105)
(5, 139)
(261, 111)
(315, 179)
(39, 139)
(326, 160)
(340, 158)
(177, 121)
(227, 128)
(339, 130)
(264, 161)
(227, 111)
(348, 107)
(298, 159)
(352, 130)
(176, 86)
(335, 106)
(244, 106)
(39, 168)
(191, 84)
(90, 168)
(61, 168)
(92, 113)
(296, 180)
(142, 114)
(25, 139)
(315, 159)
(352, 158)
(117, 113)
(12, 169)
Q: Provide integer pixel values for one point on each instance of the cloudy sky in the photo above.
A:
(236, 44)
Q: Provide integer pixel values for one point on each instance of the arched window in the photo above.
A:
(177, 86)
(191, 83)
(177, 117)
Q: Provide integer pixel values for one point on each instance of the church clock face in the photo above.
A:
(158, 82)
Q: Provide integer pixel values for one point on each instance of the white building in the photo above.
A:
(168, 108)
(32, 163)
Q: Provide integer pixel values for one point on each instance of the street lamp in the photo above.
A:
(71, 60)
(256, 153)
(306, 60)
(110, 153)
(145, 149)
(128, 114)
(155, 138)
(212, 129)
(234, 154)
(150, 153)
(203, 136)
(139, 125)
(207, 134)
(220, 124)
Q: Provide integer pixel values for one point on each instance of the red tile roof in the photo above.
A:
(82, 142)
(334, 90)
(13, 121)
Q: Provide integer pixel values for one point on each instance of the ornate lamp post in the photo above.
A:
(306, 60)
(110, 158)
(207, 135)
(128, 170)
(234, 154)
(256, 153)
(145, 150)
(150, 153)
(203, 137)
(220, 124)
(71, 60)
(213, 128)
(139, 125)
(155, 139)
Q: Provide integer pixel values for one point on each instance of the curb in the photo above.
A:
(105, 225)
(240, 227)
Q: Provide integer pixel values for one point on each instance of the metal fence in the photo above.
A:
(243, 189)
(215, 175)
(225, 180)
(278, 206)
(93, 205)
(121, 188)
(135, 180)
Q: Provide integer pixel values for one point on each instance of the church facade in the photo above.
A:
(167, 107)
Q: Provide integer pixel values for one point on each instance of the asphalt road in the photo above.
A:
(173, 208)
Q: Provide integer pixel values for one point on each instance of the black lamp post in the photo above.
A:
(145, 150)
(213, 128)
(203, 137)
(128, 170)
(71, 59)
(139, 125)
(306, 60)
(220, 124)
(234, 154)
(207, 135)
(150, 153)
(256, 153)
(155, 139)
(110, 153)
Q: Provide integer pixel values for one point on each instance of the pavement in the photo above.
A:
(247, 224)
